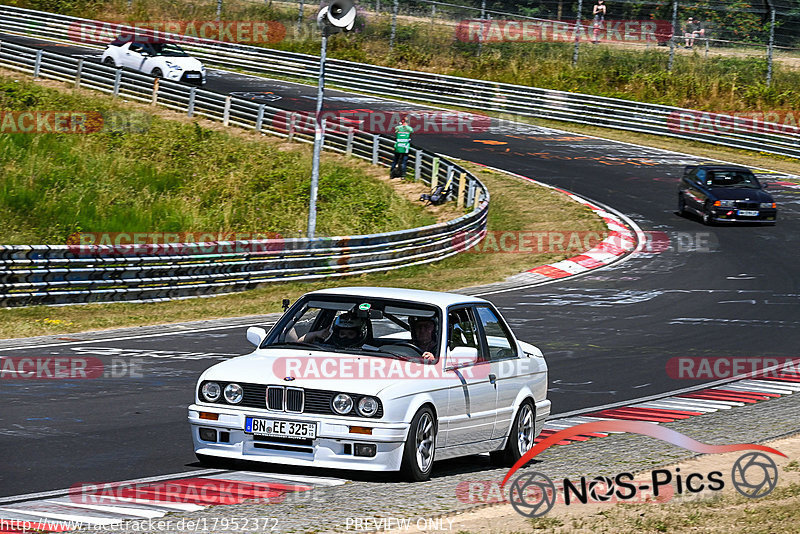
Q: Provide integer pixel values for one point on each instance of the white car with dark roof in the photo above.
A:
(375, 379)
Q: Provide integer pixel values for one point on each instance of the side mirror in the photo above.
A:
(461, 357)
(765, 185)
(255, 335)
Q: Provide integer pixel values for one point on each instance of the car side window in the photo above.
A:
(462, 331)
(136, 47)
(498, 339)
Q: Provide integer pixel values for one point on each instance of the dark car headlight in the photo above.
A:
(725, 203)
(767, 205)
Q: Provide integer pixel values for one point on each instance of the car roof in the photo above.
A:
(436, 298)
(717, 167)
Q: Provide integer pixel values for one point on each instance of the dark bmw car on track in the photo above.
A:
(725, 193)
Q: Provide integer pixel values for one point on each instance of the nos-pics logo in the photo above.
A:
(533, 494)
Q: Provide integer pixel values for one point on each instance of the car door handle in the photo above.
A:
(493, 379)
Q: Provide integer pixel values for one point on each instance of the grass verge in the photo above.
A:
(175, 176)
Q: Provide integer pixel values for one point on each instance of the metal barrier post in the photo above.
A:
(417, 165)
(375, 145)
(117, 80)
(78, 73)
(462, 184)
(477, 201)
(190, 107)
(292, 119)
(349, 149)
(155, 92)
(260, 117)
(471, 193)
(435, 173)
(38, 64)
(226, 112)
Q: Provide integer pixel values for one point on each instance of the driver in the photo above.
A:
(423, 335)
(347, 330)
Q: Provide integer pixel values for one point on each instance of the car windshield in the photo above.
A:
(360, 325)
(732, 179)
(168, 49)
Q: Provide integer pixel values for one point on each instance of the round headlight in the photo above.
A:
(368, 406)
(342, 403)
(234, 393)
(211, 391)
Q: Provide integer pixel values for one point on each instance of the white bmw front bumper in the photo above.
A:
(335, 445)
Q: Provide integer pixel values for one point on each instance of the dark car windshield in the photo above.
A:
(359, 325)
(168, 49)
(732, 178)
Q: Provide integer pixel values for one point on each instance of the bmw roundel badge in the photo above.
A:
(288, 378)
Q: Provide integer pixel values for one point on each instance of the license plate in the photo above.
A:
(280, 428)
(747, 213)
(192, 75)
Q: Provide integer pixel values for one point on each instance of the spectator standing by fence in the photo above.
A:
(402, 146)
(692, 30)
(599, 12)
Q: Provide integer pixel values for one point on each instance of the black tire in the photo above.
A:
(157, 73)
(681, 205)
(109, 62)
(421, 439)
(520, 437)
(706, 216)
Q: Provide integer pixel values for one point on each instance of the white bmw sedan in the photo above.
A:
(375, 379)
(159, 59)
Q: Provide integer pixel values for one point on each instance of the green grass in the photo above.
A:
(175, 177)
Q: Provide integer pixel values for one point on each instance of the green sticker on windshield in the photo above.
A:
(364, 307)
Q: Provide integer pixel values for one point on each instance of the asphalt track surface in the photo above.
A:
(607, 335)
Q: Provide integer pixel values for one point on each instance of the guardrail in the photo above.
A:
(63, 274)
(514, 100)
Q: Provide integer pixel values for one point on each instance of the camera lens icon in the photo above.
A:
(532, 494)
(754, 475)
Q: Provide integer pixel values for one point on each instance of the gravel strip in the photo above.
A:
(334, 509)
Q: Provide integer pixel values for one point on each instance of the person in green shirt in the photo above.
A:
(402, 147)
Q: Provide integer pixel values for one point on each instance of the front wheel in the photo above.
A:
(157, 73)
(420, 447)
(109, 62)
(681, 206)
(520, 438)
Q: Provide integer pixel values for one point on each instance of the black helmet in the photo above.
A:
(349, 322)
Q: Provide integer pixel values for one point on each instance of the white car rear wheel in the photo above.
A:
(520, 438)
